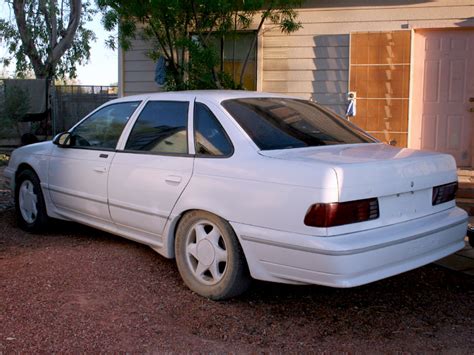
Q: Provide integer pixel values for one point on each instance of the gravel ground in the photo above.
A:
(78, 289)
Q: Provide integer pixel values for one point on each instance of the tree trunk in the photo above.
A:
(45, 67)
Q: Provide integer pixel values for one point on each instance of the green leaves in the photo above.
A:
(185, 31)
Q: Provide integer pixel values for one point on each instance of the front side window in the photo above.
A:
(161, 128)
(280, 123)
(210, 138)
(103, 128)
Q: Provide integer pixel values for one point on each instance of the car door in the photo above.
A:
(150, 172)
(77, 174)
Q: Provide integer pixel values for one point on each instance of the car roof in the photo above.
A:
(216, 96)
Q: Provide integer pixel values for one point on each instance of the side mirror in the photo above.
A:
(63, 140)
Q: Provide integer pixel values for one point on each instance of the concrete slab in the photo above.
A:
(467, 252)
(456, 262)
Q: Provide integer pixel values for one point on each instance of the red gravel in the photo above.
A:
(78, 289)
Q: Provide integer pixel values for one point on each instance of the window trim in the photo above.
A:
(223, 129)
(71, 130)
(129, 133)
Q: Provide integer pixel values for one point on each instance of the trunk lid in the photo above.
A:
(402, 179)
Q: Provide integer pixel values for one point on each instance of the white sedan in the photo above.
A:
(238, 184)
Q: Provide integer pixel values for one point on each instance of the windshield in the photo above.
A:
(280, 123)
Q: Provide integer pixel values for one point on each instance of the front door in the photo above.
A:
(149, 174)
(78, 173)
(443, 95)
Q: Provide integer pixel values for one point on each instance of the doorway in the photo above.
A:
(442, 115)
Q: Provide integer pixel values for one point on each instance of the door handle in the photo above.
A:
(175, 179)
(100, 169)
(471, 109)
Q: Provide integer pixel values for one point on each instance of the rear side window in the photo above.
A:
(280, 123)
(103, 128)
(161, 128)
(209, 136)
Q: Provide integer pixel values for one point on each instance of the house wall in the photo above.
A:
(314, 61)
(137, 70)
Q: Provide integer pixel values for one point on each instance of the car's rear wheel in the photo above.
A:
(470, 234)
(29, 202)
(209, 256)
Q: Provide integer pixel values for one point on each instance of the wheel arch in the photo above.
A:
(22, 167)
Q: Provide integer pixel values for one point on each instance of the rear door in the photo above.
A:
(151, 170)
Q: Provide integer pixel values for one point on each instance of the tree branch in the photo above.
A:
(27, 39)
(66, 41)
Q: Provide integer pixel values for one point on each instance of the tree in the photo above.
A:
(184, 32)
(47, 36)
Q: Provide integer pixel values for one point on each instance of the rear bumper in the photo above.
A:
(351, 259)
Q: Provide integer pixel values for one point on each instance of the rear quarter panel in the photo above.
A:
(258, 191)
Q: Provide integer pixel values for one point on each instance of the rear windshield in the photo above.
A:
(279, 123)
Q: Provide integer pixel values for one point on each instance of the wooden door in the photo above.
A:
(443, 94)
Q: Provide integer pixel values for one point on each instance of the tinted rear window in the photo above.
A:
(279, 123)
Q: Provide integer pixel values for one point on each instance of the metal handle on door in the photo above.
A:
(100, 169)
(173, 179)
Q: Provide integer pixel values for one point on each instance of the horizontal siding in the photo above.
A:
(382, 14)
(139, 76)
(136, 54)
(305, 41)
(320, 87)
(331, 5)
(140, 66)
(306, 64)
(142, 87)
(318, 71)
(306, 53)
(302, 75)
(313, 62)
(138, 70)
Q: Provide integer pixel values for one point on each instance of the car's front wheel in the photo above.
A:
(29, 202)
(209, 256)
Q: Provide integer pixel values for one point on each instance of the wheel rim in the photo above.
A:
(206, 252)
(28, 201)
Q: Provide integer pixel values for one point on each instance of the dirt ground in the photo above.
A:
(78, 289)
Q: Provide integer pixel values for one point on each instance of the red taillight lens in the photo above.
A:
(336, 214)
(444, 193)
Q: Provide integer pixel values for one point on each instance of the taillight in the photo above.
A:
(444, 193)
(339, 213)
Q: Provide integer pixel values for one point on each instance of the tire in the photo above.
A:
(30, 207)
(209, 256)
(470, 235)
